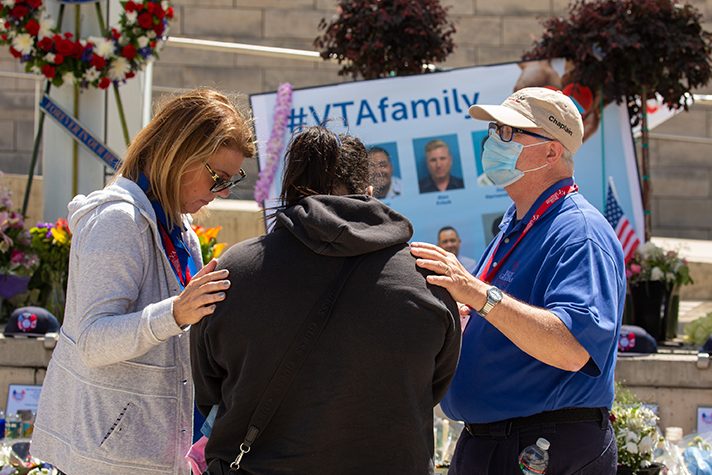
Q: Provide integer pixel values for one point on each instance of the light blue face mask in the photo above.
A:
(499, 160)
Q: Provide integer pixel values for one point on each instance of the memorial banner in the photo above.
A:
(418, 128)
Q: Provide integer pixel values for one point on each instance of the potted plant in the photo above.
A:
(377, 38)
(18, 261)
(654, 280)
(52, 242)
(632, 50)
(637, 435)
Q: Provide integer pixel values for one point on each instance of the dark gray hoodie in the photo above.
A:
(362, 402)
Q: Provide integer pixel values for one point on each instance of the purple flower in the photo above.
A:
(145, 51)
(87, 55)
(275, 145)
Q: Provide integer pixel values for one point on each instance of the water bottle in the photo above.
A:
(535, 459)
(2, 424)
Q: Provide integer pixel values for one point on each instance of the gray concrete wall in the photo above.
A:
(488, 32)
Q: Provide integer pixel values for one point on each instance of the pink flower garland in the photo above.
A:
(275, 145)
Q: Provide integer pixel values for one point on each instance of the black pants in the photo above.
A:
(577, 448)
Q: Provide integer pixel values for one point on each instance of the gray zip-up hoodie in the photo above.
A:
(117, 398)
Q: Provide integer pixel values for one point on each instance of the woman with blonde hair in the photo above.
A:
(118, 396)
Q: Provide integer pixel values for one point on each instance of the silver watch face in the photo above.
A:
(494, 294)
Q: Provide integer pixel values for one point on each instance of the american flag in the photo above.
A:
(624, 230)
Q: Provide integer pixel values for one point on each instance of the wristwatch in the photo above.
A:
(494, 296)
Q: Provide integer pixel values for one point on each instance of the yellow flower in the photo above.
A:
(218, 249)
(59, 235)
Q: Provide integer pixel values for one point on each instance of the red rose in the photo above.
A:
(45, 43)
(150, 7)
(128, 52)
(19, 12)
(58, 59)
(68, 35)
(130, 6)
(145, 20)
(34, 3)
(104, 83)
(169, 12)
(159, 12)
(158, 28)
(152, 44)
(32, 27)
(14, 52)
(48, 71)
(130, 74)
(3, 37)
(98, 62)
(115, 34)
(65, 47)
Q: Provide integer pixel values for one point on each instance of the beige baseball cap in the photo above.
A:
(538, 108)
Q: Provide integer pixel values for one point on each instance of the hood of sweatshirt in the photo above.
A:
(344, 226)
(121, 190)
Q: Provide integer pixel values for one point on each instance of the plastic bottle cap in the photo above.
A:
(542, 443)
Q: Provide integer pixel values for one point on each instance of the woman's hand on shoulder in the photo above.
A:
(199, 297)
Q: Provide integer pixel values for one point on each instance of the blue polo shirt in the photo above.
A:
(570, 263)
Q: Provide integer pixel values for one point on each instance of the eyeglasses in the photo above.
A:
(506, 132)
(221, 183)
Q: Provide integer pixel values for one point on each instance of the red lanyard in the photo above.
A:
(488, 274)
(183, 277)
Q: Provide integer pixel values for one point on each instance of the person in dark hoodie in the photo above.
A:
(362, 401)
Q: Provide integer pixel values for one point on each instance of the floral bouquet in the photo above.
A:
(17, 259)
(636, 430)
(652, 263)
(209, 246)
(52, 242)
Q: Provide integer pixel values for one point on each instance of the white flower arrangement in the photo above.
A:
(636, 430)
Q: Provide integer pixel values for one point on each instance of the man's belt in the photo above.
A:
(559, 416)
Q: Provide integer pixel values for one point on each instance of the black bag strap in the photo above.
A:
(293, 360)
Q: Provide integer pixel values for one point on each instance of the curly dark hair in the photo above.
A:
(320, 162)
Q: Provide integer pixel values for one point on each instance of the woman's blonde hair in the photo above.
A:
(186, 129)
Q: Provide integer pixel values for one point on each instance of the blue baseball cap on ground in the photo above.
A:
(634, 339)
(32, 322)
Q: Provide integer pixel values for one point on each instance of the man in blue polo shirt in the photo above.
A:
(539, 350)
